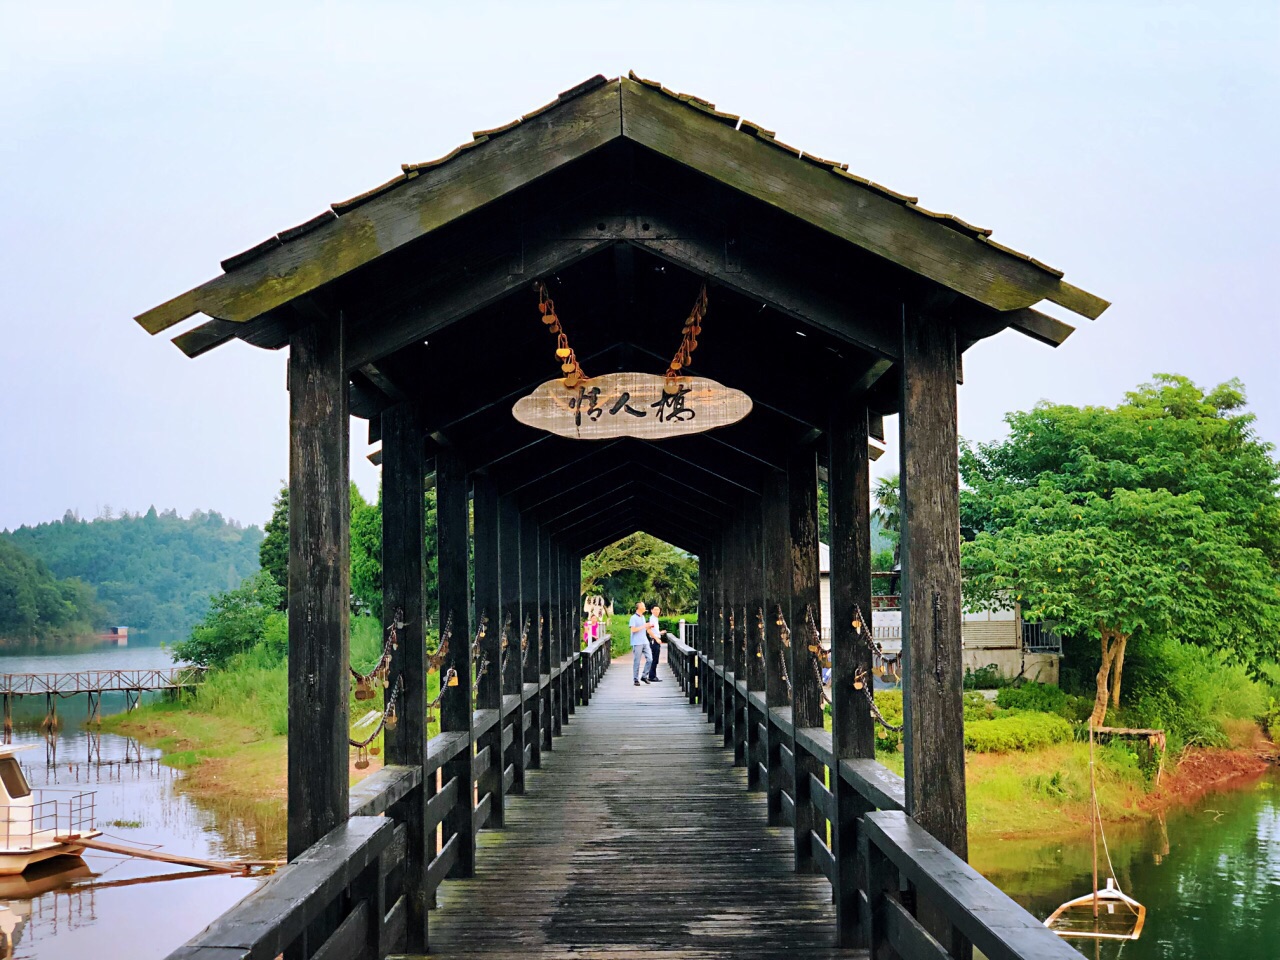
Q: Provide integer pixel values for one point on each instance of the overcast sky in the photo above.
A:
(1132, 145)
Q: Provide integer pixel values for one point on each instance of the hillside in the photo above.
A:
(36, 605)
(154, 570)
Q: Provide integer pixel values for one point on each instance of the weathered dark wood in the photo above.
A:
(806, 688)
(978, 909)
(319, 583)
(488, 603)
(512, 599)
(403, 549)
(453, 550)
(933, 667)
(546, 578)
(776, 540)
(532, 615)
(378, 792)
(852, 728)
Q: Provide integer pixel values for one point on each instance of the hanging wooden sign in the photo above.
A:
(631, 405)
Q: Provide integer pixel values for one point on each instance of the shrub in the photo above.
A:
(984, 678)
(235, 622)
(1045, 698)
(889, 703)
(1021, 731)
(1270, 720)
(978, 707)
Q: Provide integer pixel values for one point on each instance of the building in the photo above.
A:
(998, 638)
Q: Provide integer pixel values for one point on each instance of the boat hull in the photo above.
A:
(15, 862)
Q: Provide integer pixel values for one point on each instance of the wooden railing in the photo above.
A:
(349, 895)
(450, 811)
(911, 896)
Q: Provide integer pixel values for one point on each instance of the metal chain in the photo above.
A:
(384, 661)
(760, 632)
(506, 642)
(573, 374)
(863, 682)
(478, 655)
(435, 658)
(688, 341)
(524, 642)
(817, 674)
(388, 718)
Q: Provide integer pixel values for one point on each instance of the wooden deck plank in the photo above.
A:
(637, 838)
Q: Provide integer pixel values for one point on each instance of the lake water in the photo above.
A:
(109, 906)
(1209, 876)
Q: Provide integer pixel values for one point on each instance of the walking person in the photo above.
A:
(640, 655)
(655, 644)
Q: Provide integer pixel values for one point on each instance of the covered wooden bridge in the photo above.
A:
(630, 266)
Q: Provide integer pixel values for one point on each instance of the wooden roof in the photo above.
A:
(735, 153)
(625, 198)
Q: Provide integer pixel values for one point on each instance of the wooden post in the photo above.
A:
(806, 688)
(546, 700)
(852, 729)
(489, 603)
(553, 636)
(776, 529)
(529, 587)
(319, 583)
(513, 611)
(453, 548)
(933, 711)
(753, 612)
(738, 580)
(568, 593)
(403, 550)
(719, 648)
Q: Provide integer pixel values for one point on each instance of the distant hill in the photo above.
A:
(154, 570)
(37, 606)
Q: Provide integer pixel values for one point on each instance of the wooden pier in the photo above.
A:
(93, 683)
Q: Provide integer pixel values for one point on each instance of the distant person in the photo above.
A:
(640, 654)
(654, 631)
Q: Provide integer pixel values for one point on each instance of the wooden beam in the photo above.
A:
(852, 728)
(512, 609)
(489, 604)
(838, 203)
(931, 616)
(427, 200)
(319, 583)
(453, 548)
(530, 579)
(403, 608)
(806, 606)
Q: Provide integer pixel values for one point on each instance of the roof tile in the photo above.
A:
(293, 233)
(461, 148)
(484, 134)
(343, 206)
(253, 253)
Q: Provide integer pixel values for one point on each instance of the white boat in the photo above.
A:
(33, 829)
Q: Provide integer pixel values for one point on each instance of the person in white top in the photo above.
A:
(655, 644)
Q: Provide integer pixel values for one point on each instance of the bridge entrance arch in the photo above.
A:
(832, 302)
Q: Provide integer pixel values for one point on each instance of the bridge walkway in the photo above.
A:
(636, 839)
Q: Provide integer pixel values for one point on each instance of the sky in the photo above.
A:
(1134, 145)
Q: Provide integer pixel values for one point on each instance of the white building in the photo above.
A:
(991, 637)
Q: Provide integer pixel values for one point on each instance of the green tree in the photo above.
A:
(237, 620)
(366, 554)
(1152, 522)
(885, 495)
(642, 567)
(273, 553)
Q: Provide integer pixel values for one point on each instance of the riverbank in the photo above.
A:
(1034, 794)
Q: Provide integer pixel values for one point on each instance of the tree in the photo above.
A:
(273, 554)
(642, 567)
(237, 620)
(366, 554)
(886, 495)
(1156, 521)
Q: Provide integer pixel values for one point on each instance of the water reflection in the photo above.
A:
(108, 906)
(1209, 876)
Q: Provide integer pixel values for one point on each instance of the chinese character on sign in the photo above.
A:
(586, 400)
(623, 403)
(671, 407)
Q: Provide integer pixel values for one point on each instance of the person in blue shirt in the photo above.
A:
(640, 655)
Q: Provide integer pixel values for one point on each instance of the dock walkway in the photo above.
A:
(637, 839)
